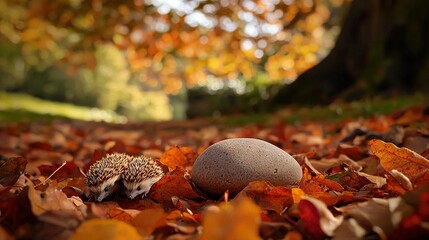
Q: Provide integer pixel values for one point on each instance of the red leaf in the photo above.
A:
(317, 219)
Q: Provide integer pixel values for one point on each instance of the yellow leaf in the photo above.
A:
(404, 160)
(105, 229)
(239, 220)
(297, 194)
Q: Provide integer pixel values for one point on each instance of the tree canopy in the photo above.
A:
(175, 43)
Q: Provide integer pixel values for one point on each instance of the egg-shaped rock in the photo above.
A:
(233, 163)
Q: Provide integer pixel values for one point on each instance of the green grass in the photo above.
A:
(18, 107)
(333, 112)
(364, 109)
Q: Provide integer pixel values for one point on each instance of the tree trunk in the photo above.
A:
(383, 48)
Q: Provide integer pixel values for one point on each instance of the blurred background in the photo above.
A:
(136, 60)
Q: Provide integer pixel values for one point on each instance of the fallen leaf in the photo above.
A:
(418, 143)
(267, 196)
(323, 165)
(316, 218)
(178, 156)
(351, 151)
(57, 224)
(237, 220)
(329, 183)
(378, 215)
(102, 229)
(410, 163)
(149, 219)
(167, 187)
(119, 214)
(357, 180)
(411, 115)
(402, 179)
(11, 167)
(50, 199)
(349, 229)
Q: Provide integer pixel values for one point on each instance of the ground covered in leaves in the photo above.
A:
(362, 178)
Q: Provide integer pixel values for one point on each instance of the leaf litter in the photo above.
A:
(364, 178)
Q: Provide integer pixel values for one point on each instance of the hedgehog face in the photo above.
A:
(105, 188)
(133, 189)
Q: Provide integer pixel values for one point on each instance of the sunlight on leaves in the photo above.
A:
(101, 229)
(237, 220)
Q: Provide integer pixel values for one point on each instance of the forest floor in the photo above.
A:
(365, 174)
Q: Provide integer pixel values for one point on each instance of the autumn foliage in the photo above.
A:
(174, 44)
(361, 178)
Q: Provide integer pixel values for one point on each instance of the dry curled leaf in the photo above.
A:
(402, 179)
(408, 162)
(317, 219)
(11, 167)
(51, 199)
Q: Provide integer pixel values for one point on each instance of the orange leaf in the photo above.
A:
(404, 160)
(175, 156)
(149, 219)
(239, 220)
(119, 214)
(172, 184)
(267, 196)
(329, 183)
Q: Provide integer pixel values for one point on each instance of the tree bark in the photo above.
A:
(383, 48)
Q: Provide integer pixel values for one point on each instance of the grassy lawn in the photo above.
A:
(336, 111)
(22, 107)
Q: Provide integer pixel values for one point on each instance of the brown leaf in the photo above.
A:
(411, 164)
(351, 151)
(411, 115)
(358, 180)
(11, 167)
(50, 199)
(379, 215)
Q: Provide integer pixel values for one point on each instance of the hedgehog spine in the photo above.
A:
(141, 174)
(104, 176)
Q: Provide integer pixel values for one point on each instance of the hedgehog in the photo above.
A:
(104, 176)
(141, 174)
